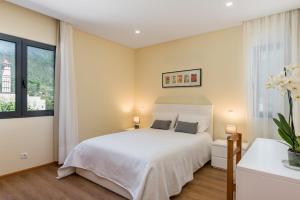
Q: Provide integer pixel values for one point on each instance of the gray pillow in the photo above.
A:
(161, 124)
(187, 127)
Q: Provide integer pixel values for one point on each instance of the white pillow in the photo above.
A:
(166, 116)
(203, 121)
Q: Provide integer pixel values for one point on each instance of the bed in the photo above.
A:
(143, 164)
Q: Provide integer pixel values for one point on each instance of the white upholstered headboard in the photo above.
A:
(186, 105)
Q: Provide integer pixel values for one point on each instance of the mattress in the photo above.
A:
(147, 163)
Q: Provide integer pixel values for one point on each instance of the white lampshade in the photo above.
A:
(230, 129)
(136, 119)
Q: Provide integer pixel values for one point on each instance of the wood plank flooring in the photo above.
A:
(41, 184)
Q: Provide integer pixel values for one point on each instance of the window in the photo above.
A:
(26, 77)
(261, 57)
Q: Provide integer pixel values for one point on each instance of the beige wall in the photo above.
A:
(32, 135)
(109, 76)
(219, 54)
(105, 85)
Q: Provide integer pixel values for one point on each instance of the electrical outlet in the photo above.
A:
(23, 155)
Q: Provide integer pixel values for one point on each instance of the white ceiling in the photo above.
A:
(158, 20)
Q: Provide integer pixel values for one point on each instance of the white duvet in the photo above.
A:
(151, 164)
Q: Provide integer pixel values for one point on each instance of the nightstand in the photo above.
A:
(219, 153)
(129, 129)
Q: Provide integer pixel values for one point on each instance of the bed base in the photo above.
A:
(103, 182)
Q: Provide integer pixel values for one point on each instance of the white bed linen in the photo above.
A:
(151, 164)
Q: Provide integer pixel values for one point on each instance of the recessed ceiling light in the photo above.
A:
(137, 32)
(229, 4)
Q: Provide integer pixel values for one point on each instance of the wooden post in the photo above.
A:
(231, 153)
(229, 168)
(239, 146)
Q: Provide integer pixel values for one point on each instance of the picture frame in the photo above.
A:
(183, 78)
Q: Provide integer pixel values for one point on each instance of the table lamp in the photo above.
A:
(230, 129)
(136, 122)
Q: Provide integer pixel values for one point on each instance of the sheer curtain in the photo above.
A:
(271, 43)
(65, 119)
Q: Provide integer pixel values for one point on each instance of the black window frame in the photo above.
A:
(21, 45)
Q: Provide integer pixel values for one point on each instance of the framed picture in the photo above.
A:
(185, 78)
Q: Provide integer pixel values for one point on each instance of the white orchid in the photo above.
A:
(278, 82)
(296, 97)
(293, 86)
(291, 68)
(296, 72)
(270, 83)
(275, 81)
(287, 80)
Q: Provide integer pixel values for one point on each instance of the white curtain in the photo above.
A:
(66, 113)
(271, 43)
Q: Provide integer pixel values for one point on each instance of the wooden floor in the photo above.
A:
(41, 184)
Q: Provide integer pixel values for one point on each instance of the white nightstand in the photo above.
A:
(219, 153)
(129, 129)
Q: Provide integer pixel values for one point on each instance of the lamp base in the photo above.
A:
(136, 126)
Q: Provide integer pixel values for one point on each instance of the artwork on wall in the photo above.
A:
(185, 78)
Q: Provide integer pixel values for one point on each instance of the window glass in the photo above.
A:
(7, 76)
(40, 79)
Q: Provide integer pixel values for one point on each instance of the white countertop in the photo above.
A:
(265, 156)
